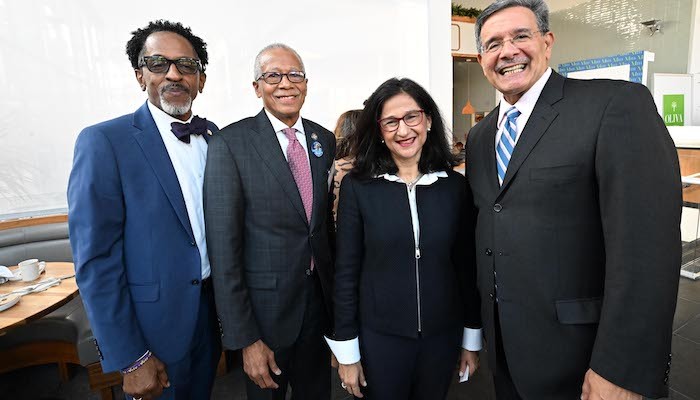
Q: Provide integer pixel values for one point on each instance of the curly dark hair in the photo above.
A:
(373, 158)
(135, 45)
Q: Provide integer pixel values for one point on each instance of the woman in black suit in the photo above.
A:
(405, 293)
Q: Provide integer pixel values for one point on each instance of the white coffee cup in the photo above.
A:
(29, 269)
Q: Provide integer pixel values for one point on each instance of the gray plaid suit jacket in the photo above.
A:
(260, 243)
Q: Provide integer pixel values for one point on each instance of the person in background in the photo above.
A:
(137, 227)
(345, 136)
(578, 196)
(267, 212)
(460, 156)
(405, 295)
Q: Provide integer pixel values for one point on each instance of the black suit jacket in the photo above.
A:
(379, 282)
(260, 243)
(582, 239)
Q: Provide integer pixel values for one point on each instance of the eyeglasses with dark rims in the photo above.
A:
(412, 118)
(161, 65)
(273, 78)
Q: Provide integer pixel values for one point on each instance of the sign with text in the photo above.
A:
(673, 109)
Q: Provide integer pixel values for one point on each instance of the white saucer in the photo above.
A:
(17, 276)
(8, 302)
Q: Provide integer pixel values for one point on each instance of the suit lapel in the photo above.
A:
(318, 170)
(148, 137)
(541, 118)
(491, 125)
(268, 147)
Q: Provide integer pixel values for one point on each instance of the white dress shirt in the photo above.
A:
(525, 105)
(278, 126)
(348, 351)
(188, 161)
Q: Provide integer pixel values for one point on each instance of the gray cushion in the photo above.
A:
(41, 330)
(45, 242)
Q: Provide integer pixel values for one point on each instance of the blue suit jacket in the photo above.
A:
(136, 261)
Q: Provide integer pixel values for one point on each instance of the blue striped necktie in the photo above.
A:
(506, 144)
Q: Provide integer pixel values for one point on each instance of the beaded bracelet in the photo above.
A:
(138, 363)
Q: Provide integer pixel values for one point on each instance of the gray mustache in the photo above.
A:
(172, 86)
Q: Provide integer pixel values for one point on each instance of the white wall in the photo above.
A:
(694, 42)
(63, 67)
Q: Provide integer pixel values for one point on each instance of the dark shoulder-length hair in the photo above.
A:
(345, 134)
(373, 157)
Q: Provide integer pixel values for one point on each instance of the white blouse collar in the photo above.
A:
(427, 179)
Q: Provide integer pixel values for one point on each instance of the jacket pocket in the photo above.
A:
(579, 311)
(261, 281)
(557, 174)
(144, 293)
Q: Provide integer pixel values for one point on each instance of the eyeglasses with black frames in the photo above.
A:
(161, 65)
(391, 124)
(519, 39)
(274, 78)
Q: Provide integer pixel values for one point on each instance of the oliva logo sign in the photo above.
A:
(674, 109)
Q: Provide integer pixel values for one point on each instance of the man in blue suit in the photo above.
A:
(137, 227)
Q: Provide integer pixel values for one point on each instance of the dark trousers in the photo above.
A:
(505, 388)
(404, 368)
(305, 364)
(193, 376)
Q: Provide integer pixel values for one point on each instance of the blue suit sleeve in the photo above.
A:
(96, 216)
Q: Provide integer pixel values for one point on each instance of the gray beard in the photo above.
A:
(172, 109)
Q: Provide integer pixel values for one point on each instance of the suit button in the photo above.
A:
(497, 207)
(308, 272)
(500, 253)
(195, 281)
(311, 235)
(491, 295)
(489, 252)
(193, 244)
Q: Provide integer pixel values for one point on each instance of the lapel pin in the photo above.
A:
(316, 147)
(209, 132)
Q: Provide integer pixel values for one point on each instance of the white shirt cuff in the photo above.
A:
(346, 351)
(471, 339)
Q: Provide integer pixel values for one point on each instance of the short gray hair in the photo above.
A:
(538, 7)
(257, 68)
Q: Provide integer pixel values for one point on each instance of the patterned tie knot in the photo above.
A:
(290, 133)
(512, 114)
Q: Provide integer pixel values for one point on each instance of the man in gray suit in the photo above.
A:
(267, 217)
(578, 193)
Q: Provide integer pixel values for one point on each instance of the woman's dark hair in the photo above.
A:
(135, 45)
(373, 158)
(345, 134)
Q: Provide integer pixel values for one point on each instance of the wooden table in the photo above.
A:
(36, 305)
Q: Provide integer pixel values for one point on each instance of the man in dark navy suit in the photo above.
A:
(137, 225)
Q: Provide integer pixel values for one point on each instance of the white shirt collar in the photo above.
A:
(163, 120)
(427, 179)
(278, 125)
(527, 101)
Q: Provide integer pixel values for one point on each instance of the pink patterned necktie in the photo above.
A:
(301, 170)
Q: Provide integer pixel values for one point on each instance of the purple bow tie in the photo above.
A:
(198, 126)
